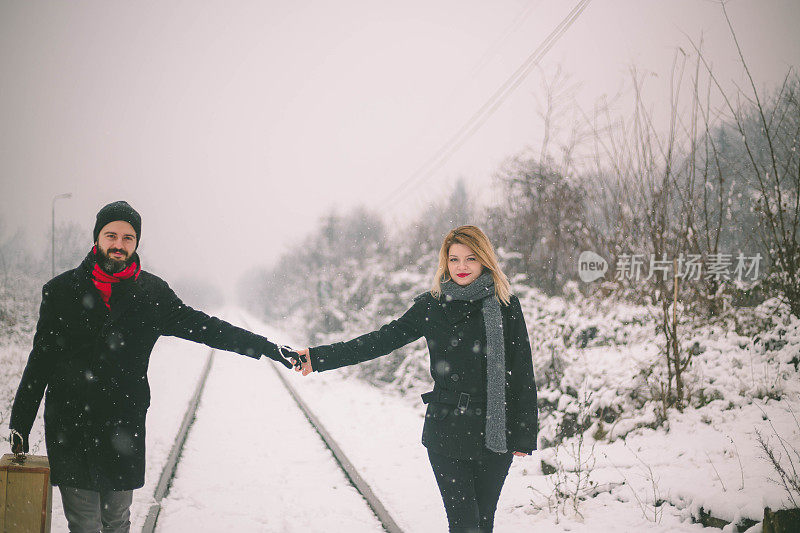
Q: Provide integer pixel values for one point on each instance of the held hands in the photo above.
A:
(304, 365)
(289, 357)
(282, 354)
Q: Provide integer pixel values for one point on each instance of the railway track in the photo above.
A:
(174, 456)
(342, 461)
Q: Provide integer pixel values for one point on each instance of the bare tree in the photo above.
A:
(542, 216)
(769, 132)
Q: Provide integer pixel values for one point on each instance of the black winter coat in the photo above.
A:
(93, 363)
(456, 337)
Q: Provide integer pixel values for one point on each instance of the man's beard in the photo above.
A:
(111, 265)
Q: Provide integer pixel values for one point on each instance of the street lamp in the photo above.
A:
(53, 236)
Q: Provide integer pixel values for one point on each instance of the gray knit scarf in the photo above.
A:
(483, 289)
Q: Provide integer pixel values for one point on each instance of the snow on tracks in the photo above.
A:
(252, 462)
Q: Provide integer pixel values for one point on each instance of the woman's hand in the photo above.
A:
(521, 454)
(305, 367)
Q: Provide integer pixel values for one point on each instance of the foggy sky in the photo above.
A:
(232, 126)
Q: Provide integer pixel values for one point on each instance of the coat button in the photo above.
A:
(454, 377)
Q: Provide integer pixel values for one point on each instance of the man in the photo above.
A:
(97, 327)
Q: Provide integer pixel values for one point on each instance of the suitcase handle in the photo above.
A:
(19, 457)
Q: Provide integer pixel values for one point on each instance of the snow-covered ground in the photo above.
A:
(653, 480)
(252, 462)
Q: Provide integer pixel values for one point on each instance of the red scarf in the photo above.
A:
(104, 281)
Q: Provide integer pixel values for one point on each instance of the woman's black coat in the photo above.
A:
(456, 337)
(93, 363)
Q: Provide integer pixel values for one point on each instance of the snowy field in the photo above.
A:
(253, 463)
(653, 480)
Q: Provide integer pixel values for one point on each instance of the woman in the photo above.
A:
(482, 410)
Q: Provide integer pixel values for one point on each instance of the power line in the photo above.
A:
(518, 20)
(471, 126)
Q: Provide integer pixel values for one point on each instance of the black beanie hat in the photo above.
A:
(118, 211)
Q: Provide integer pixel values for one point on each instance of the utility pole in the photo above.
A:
(53, 232)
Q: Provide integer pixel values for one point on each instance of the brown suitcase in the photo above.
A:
(26, 495)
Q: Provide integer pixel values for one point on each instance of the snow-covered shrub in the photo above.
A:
(570, 464)
(622, 364)
(19, 302)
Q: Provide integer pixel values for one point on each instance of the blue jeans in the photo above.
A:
(88, 511)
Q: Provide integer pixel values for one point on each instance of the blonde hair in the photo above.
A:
(478, 242)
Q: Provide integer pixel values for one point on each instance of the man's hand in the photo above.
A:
(521, 454)
(305, 362)
(17, 442)
(281, 354)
